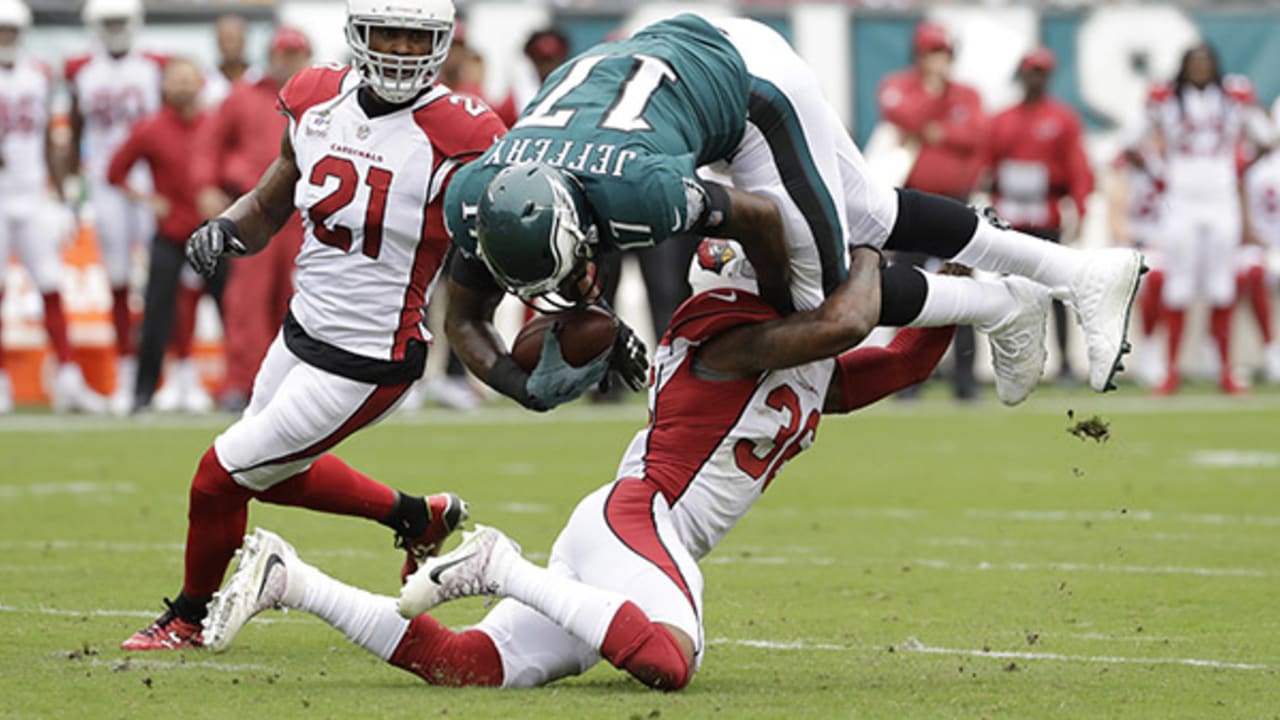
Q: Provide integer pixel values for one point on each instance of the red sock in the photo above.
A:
(55, 325)
(1174, 320)
(645, 649)
(333, 486)
(184, 321)
(441, 656)
(1149, 301)
(1220, 329)
(1253, 285)
(122, 322)
(216, 515)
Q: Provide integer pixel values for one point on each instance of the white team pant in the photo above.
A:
(796, 152)
(296, 414)
(619, 538)
(31, 229)
(120, 225)
(1199, 249)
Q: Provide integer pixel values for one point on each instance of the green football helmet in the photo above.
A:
(533, 229)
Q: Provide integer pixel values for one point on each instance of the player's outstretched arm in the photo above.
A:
(261, 212)
(756, 223)
(843, 320)
(247, 226)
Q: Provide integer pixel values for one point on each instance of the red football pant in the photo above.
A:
(218, 510)
(254, 302)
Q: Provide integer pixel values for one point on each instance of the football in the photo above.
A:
(584, 334)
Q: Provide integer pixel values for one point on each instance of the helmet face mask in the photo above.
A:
(15, 18)
(534, 236)
(115, 22)
(395, 77)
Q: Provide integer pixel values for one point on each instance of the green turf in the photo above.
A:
(921, 561)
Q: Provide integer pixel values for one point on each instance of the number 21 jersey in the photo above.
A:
(371, 196)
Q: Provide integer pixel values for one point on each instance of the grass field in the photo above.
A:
(921, 561)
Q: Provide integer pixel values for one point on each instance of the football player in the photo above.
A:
(365, 159)
(112, 88)
(737, 391)
(30, 223)
(605, 159)
(1200, 120)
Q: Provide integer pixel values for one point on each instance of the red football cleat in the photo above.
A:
(446, 512)
(1229, 385)
(1169, 386)
(168, 632)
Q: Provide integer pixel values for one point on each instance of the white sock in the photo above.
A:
(368, 620)
(964, 301)
(1009, 251)
(585, 611)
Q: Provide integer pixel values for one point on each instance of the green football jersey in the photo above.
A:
(631, 120)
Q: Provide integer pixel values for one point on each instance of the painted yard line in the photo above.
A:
(104, 612)
(913, 645)
(732, 559)
(1040, 515)
(983, 566)
(132, 662)
(45, 489)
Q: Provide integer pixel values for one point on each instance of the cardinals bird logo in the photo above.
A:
(714, 254)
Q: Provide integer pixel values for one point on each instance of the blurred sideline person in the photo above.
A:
(1262, 193)
(1200, 120)
(606, 159)
(237, 144)
(546, 49)
(31, 225)
(1135, 203)
(113, 87)
(229, 33)
(164, 142)
(737, 392)
(1036, 157)
(368, 151)
(944, 120)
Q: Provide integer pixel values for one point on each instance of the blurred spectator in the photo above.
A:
(1262, 192)
(1036, 158)
(164, 142)
(1135, 202)
(546, 50)
(1200, 120)
(112, 88)
(236, 146)
(31, 225)
(944, 120)
(463, 68)
(229, 31)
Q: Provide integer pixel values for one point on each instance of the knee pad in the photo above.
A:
(646, 649)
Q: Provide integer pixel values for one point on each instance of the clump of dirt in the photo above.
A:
(1095, 428)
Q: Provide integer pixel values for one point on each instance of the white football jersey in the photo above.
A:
(113, 94)
(714, 446)
(24, 119)
(371, 195)
(1262, 188)
(1202, 132)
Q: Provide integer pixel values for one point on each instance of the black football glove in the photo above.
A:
(213, 239)
(628, 361)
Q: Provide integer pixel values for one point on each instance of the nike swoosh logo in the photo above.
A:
(272, 561)
(439, 569)
(727, 297)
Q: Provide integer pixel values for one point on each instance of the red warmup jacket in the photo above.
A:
(164, 141)
(950, 166)
(1036, 157)
(240, 139)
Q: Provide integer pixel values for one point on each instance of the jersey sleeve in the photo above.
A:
(461, 202)
(646, 199)
(712, 312)
(309, 87)
(73, 66)
(129, 152)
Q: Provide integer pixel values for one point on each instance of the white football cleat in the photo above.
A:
(1271, 362)
(263, 575)
(121, 401)
(6, 393)
(194, 398)
(71, 393)
(1102, 294)
(476, 567)
(1018, 352)
(169, 397)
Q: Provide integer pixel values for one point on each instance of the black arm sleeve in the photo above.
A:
(931, 224)
(470, 273)
(717, 211)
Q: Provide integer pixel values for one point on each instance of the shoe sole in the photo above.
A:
(1118, 364)
(251, 554)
